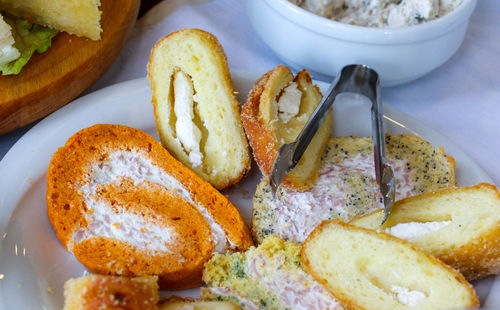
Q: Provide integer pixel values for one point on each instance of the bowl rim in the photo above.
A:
(334, 29)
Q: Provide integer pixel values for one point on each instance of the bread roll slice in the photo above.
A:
(124, 206)
(267, 277)
(346, 186)
(177, 303)
(368, 270)
(111, 292)
(196, 112)
(79, 17)
(277, 109)
(460, 226)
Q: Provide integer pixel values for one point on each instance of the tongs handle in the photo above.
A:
(354, 79)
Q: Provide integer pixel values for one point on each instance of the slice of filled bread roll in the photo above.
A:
(79, 17)
(460, 226)
(368, 270)
(177, 303)
(277, 109)
(267, 277)
(111, 292)
(346, 186)
(196, 112)
(124, 206)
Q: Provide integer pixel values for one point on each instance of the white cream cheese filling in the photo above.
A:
(136, 167)
(407, 297)
(289, 102)
(187, 133)
(412, 230)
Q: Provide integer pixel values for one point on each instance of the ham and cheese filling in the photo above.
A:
(119, 224)
(342, 190)
(296, 290)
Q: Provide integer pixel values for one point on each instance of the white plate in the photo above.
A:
(34, 265)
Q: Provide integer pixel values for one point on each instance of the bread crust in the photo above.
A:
(263, 138)
(478, 257)
(221, 62)
(107, 292)
(66, 208)
(353, 304)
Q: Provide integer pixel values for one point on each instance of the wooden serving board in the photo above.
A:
(71, 65)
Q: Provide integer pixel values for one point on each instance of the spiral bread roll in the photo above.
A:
(277, 109)
(124, 206)
(346, 186)
(196, 112)
(111, 292)
(369, 270)
(460, 226)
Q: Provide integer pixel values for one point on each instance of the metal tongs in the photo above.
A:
(354, 79)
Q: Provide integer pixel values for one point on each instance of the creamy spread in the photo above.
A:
(407, 297)
(335, 195)
(412, 230)
(103, 219)
(380, 13)
(289, 102)
(187, 133)
(297, 290)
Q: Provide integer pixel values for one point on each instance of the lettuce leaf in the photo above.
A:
(29, 38)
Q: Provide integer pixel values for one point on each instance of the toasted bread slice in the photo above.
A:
(79, 17)
(196, 112)
(368, 270)
(177, 303)
(277, 109)
(124, 206)
(111, 292)
(267, 277)
(460, 226)
(346, 185)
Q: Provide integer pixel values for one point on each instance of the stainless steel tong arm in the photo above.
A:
(354, 79)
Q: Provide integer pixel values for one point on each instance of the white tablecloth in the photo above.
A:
(461, 99)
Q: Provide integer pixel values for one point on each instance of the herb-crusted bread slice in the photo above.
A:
(267, 277)
(277, 109)
(346, 185)
(460, 226)
(196, 111)
(369, 270)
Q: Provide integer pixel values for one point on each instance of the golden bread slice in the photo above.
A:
(460, 226)
(346, 186)
(267, 277)
(111, 292)
(277, 109)
(79, 17)
(369, 270)
(197, 115)
(124, 206)
(177, 303)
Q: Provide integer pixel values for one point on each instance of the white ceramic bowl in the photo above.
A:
(323, 46)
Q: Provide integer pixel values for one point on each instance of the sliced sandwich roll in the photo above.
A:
(368, 270)
(124, 206)
(267, 277)
(196, 111)
(460, 226)
(111, 292)
(346, 185)
(278, 107)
